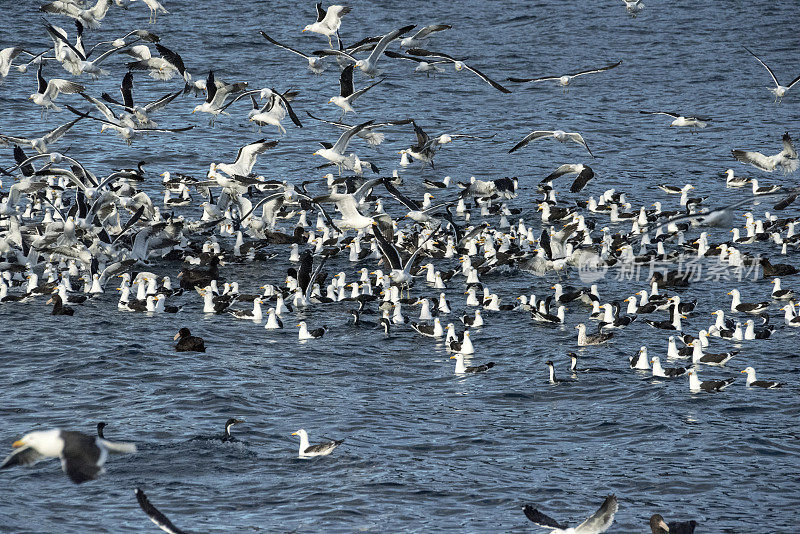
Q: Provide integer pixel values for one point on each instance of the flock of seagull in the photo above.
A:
(70, 234)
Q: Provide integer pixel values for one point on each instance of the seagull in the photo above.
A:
(584, 172)
(161, 68)
(459, 65)
(423, 67)
(369, 65)
(159, 519)
(681, 120)
(319, 449)
(48, 91)
(127, 132)
(274, 111)
(400, 273)
(786, 159)
(368, 133)
(315, 64)
(346, 93)
(348, 206)
(245, 158)
(422, 35)
(7, 56)
(779, 90)
(40, 144)
(335, 153)
(82, 456)
(565, 79)
(751, 380)
(216, 95)
(559, 135)
(328, 21)
(141, 113)
(91, 17)
(633, 7)
(599, 522)
(709, 386)
(154, 6)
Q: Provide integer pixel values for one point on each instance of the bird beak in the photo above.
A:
(729, 292)
(742, 371)
(176, 336)
(300, 32)
(295, 433)
(17, 444)
(453, 358)
(661, 524)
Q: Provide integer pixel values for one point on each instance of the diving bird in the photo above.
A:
(779, 90)
(785, 160)
(565, 79)
(82, 456)
(559, 135)
(598, 522)
(226, 435)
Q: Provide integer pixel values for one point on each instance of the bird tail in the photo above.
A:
(119, 448)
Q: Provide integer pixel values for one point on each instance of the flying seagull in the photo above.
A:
(599, 522)
(315, 64)
(346, 93)
(682, 120)
(369, 65)
(779, 90)
(423, 34)
(584, 172)
(786, 159)
(559, 135)
(459, 65)
(328, 21)
(565, 79)
(47, 92)
(40, 144)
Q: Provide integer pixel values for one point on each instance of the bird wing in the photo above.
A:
(346, 82)
(289, 109)
(788, 148)
(57, 85)
(410, 261)
(276, 43)
(59, 132)
(601, 520)
(172, 57)
(23, 456)
(673, 115)
(793, 82)
(337, 124)
(487, 79)
(540, 79)
(536, 134)
(774, 79)
(407, 202)
(246, 158)
(365, 187)
(321, 13)
(363, 90)
(126, 88)
(341, 143)
(578, 138)
(541, 519)
(422, 137)
(757, 159)
(107, 112)
(389, 251)
(601, 69)
(427, 30)
(334, 13)
(314, 275)
(6, 139)
(567, 168)
(155, 105)
(156, 516)
(385, 40)
(58, 35)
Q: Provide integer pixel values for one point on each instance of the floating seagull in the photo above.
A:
(459, 65)
(40, 144)
(82, 456)
(187, 342)
(48, 91)
(315, 64)
(681, 120)
(305, 333)
(752, 382)
(668, 372)
(786, 159)
(328, 21)
(461, 368)
(559, 135)
(779, 90)
(319, 449)
(599, 522)
(565, 79)
(709, 386)
(159, 519)
(422, 35)
(346, 93)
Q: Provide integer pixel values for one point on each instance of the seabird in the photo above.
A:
(319, 449)
(565, 79)
(48, 91)
(40, 144)
(164, 67)
(779, 90)
(709, 386)
(58, 306)
(598, 522)
(639, 360)
(668, 372)
(459, 65)
(216, 95)
(305, 333)
(786, 159)
(552, 373)
(369, 65)
(559, 135)
(659, 526)
(82, 456)
(584, 172)
(315, 64)
(422, 35)
(226, 435)
(187, 342)
(461, 368)
(752, 382)
(328, 21)
(159, 519)
(755, 308)
(682, 120)
(596, 339)
(347, 93)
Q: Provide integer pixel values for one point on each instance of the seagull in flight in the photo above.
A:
(779, 90)
(559, 135)
(786, 159)
(682, 120)
(335, 153)
(328, 21)
(422, 35)
(565, 79)
(315, 64)
(599, 522)
(47, 92)
(346, 93)
(40, 144)
(459, 65)
(369, 65)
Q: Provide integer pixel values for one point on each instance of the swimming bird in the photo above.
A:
(709, 386)
(666, 372)
(226, 435)
(734, 181)
(458, 65)
(659, 526)
(552, 373)
(687, 121)
(319, 449)
(779, 90)
(305, 333)
(59, 308)
(639, 360)
(786, 159)
(347, 94)
(755, 308)
(752, 382)
(159, 519)
(187, 342)
(47, 92)
(82, 456)
(559, 135)
(596, 339)
(461, 368)
(565, 79)
(315, 64)
(328, 21)
(598, 522)
(778, 293)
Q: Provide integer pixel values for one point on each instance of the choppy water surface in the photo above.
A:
(425, 450)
